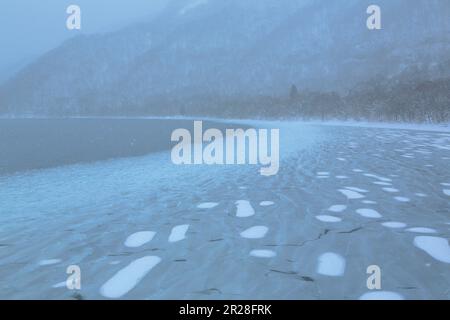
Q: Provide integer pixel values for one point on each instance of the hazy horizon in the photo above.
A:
(46, 21)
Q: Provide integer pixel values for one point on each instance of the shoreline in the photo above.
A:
(444, 127)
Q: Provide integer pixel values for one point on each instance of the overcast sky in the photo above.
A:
(29, 28)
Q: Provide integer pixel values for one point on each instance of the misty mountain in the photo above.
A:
(198, 49)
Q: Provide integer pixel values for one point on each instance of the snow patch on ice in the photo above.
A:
(331, 264)
(256, 232)
(369, 202)
(178, 233)
(394, 225)
(422, 195)
(421, 230)
(436, 247)
(337, 208)
(381, 183)
(266, 203)
(446, 192)
(263, 253)
(391, 190)
(207, 205)
(47, 262)
(378, 177)
(351, 194)
(326, 218)
(381, 295)
(127, 278)
(244, 209)
(357, 189)
(139, 238)
(62, 284)
(368, 213)
(402, 199)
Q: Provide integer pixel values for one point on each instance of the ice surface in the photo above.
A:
(255, 232)
(331, 264)
(146, 193)
(244, 209)
(436, 247)
(178, 233)
(368, 213)
(127, 278)
(446, 192)
(139, 238)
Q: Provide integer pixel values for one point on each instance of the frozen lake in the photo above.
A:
(139, 227)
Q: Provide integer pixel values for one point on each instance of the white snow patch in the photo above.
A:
(394, 225)
(351, 194)
(436, 247)
(263, 253)
(381, 295)
(207, 205)
(369, 202)
(356, 189)
(266, 203)
(381, 183)
(323, 173)
(369, 213)
(422, 195)
(326, 218)
(244, 209)
(341, 177)
(62, 284)
(421, 230)
(256, 232)
(337, 208)
(402, 199)
(446, 192)
(391, 190)
(48, 262)
(331, 264)
(127, 278)
(358, 170)
(378, 177)
(139, 238)
(178, 233)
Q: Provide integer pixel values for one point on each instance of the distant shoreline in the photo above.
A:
(443, 127)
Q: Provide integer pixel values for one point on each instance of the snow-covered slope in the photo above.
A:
(233, 47)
